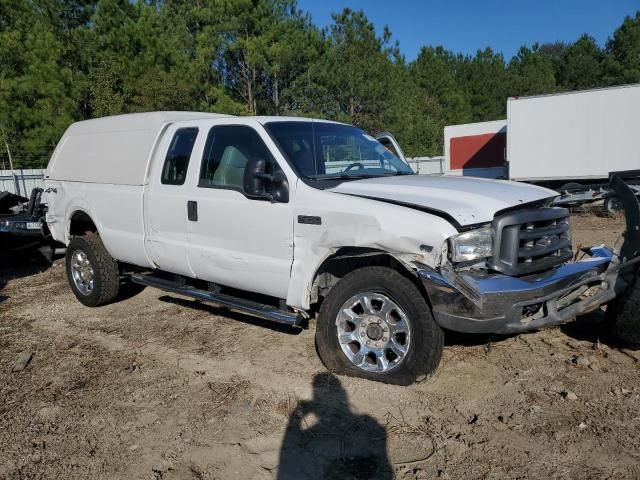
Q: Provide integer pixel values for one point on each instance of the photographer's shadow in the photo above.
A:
(324, 439)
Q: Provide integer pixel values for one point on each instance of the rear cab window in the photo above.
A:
(176, 163)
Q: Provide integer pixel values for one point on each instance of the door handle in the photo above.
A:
(192, 211)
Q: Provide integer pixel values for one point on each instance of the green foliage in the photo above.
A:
(355, 71)
(68, 60)
(624, 49)
(531, 72)
(485, 80)
(438, 98)
(583, 65)
(35, 103)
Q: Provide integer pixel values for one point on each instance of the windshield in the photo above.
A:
(322, 150)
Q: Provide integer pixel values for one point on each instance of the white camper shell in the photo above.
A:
(113, 149)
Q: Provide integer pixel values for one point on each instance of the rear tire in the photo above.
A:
(623, 316)
(93, 274)
(393, 305)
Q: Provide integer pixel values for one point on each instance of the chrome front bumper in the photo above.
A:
(479, 302)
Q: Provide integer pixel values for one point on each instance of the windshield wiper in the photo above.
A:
(341, 176)
(344, 176)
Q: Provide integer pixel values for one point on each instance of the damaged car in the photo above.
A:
(291, 219)
(22, 227)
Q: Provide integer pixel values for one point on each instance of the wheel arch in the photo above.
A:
(348, 259)
(80, 222)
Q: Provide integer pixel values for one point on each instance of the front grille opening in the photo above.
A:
(555, 253)
(543, 239)
(530, 241)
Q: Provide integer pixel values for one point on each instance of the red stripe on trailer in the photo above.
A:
(477, 151)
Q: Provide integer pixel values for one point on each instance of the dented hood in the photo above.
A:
(466, 200)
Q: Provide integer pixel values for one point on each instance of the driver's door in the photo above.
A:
(234, 240)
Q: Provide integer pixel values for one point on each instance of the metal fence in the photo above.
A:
(22, 180)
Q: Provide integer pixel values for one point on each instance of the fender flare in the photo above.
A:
(71, 211)
(351, 252)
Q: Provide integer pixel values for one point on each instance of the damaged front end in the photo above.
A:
(510, 295)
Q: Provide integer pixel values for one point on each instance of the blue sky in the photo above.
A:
(467, 25)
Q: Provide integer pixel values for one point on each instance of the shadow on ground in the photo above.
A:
(19, 265)
(457, 339)
(325, 439)
(593, 328)
(590, 327)
(128, 290)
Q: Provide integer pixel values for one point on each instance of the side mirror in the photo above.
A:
(280, 187)
(254, 181)
(260, 185)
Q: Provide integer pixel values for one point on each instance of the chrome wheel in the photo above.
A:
(82, 272)
(373, 332)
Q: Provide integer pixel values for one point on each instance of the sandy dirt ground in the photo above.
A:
(161, 387)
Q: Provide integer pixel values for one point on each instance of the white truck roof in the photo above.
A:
(112, 149)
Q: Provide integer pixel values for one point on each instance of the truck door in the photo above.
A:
(165, 201)
(235, 240)
(391, 144)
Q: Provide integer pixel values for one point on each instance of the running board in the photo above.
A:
(260, 310)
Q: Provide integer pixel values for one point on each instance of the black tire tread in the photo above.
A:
(107, 284)
(623, 316)
(424, 359)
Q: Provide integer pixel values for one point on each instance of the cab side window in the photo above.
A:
(174, 171)
(226, 152)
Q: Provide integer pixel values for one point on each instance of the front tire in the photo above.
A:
(93, 274)
(376, 324)
(623, 316)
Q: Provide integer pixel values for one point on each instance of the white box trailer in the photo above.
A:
(552, 139)
(575, 136)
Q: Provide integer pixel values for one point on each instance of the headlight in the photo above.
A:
(472, 245)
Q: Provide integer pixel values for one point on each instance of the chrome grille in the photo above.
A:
(531, 240)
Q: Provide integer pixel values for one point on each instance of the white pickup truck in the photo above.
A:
(289, 219)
